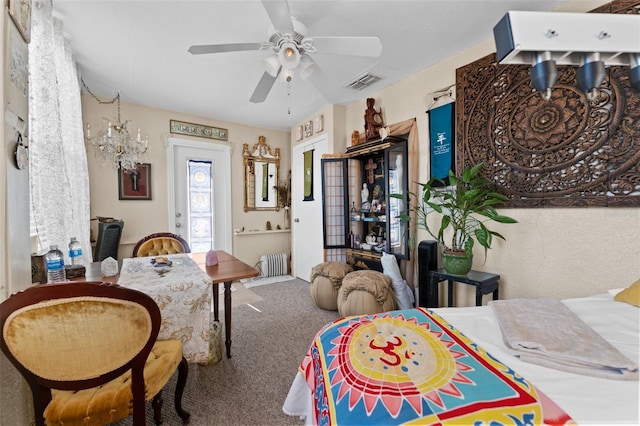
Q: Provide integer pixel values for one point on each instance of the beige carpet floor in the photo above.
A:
(270, 337)
(240, 295)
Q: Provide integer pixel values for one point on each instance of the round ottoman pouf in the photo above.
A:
(326, 279)
(365, 292)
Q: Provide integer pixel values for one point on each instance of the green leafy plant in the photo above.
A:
(466, 205)
(283, 189)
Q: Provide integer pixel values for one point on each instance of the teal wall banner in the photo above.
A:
(442, 141)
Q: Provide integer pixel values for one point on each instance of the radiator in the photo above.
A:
(273, 265)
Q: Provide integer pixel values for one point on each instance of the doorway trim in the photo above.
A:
(297, 233)
(222, 208)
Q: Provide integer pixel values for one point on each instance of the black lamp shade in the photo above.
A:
(634, 77)
(590, 75)
(544, 75)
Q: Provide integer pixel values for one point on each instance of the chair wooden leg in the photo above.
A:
(183, 372)
(156, 403)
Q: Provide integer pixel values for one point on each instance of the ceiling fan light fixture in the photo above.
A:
(289, 55)
(305, 69)
(286, 76)
(272, 65)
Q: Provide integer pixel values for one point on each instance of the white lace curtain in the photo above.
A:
(58, 170)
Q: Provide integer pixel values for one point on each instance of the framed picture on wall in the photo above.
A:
(135, 184)
(308, 128)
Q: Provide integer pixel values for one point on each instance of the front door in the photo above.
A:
(199, 175)
(306, 227)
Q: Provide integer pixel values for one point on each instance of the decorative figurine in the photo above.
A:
(372, 120)
(364, 193)
(355, 138)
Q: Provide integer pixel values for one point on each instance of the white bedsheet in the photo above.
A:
(587, 400)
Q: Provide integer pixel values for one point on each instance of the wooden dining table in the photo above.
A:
(228, 269)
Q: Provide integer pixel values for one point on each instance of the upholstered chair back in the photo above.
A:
(88, 351)
(160, 243)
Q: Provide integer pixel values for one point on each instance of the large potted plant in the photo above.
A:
(465, 206)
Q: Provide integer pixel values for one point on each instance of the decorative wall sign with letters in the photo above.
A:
(198, 130)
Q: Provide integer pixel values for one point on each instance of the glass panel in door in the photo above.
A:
(398, 229)
(200, 205)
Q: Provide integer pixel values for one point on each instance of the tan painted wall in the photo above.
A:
(145, 217)
(554, 253)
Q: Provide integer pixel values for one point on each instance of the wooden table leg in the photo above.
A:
(450, 291)
(216, 309)
(227, 317)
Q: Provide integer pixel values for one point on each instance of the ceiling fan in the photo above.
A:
(292, 47)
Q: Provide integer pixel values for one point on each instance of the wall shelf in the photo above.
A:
(273, 231)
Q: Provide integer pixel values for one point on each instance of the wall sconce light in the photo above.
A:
(590, 75)
(589, 41)
(634, 72)
(544, 73)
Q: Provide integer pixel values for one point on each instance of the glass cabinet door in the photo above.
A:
(398, 233)
(360, 218)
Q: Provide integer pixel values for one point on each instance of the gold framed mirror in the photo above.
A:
(261, 175)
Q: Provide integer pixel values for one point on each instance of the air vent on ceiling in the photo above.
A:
(363, 81)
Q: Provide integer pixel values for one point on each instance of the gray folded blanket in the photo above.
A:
(546, 332)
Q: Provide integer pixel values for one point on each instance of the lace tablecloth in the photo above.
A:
(183, 293)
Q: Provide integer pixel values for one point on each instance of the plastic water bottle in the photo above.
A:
(75, 252)
(55, 265)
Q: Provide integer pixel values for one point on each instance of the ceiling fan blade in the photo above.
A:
(321, 82)
(221, 48)
(264, 87)
(352, 46)
(278, 11)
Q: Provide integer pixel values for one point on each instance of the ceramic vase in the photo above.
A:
(457, 264)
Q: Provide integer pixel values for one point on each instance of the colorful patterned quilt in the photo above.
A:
(412, 367)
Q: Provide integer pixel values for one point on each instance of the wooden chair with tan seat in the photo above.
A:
(160, 243)
(89, 353)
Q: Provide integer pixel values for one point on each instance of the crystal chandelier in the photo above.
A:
(114, 144)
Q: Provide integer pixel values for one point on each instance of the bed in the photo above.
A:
(337, 382)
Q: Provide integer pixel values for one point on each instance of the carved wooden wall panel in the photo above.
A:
(565, 151)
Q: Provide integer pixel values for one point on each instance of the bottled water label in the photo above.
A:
(55, 264)
(75, 251)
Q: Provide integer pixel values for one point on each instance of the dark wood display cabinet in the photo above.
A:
(361, 219)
